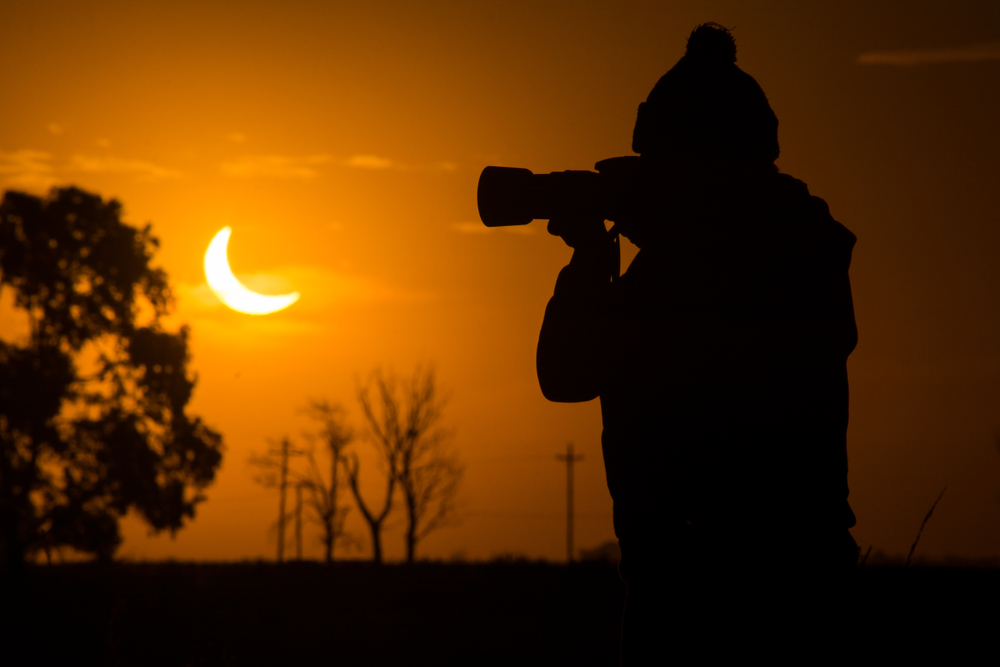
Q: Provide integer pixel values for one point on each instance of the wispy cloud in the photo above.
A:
(274, 166)
(142, 170)
(321, 289)
(480, 228)
(306, 167)
(377, 162)
(56, 129)
(262, 283)
(35, 171)
(959, 54)
(27, 169)
(371, 162)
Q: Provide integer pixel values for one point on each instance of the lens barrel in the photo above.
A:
(510, 196)
(506, 196)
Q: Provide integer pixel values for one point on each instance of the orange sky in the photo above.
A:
(343, 146)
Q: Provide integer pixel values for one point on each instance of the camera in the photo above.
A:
(510, 196)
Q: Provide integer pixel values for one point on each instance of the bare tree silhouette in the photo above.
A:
(403, 418)
(375, 519)
(323, 498)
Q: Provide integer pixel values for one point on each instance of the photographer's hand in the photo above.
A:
(580, 232)
(596, 258)
(573, 346)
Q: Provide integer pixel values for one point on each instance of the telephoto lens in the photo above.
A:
(510, 196)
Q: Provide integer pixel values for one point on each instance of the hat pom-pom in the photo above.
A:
(711, 43)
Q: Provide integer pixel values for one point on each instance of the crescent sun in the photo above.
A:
(230, 290)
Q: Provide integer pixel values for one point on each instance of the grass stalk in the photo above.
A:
(926, 519)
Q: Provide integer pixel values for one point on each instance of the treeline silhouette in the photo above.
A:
(493, 613)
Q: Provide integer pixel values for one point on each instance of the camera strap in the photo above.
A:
(615, 257)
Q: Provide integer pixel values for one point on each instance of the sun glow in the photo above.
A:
(230, 290)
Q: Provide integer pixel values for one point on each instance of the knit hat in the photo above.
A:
(706, 105)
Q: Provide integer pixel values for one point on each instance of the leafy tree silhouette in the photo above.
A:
(92, 398)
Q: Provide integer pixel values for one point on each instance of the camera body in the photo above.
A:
(621, 186)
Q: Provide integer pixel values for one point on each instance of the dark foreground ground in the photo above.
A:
(430, 614)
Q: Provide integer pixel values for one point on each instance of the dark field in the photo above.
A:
(502, 613)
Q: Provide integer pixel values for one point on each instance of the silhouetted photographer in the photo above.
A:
(720, 361)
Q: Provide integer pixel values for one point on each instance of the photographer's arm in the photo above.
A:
(575, 339)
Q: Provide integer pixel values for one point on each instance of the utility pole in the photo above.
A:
(570, 459)
(285, 453)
